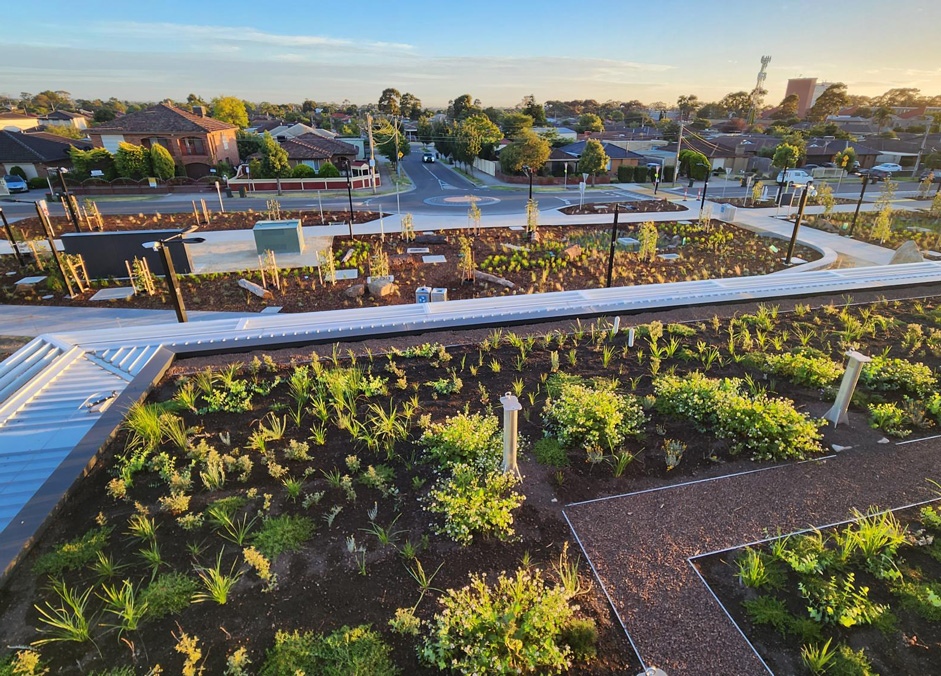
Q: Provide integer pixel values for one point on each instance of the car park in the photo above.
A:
(15, 183)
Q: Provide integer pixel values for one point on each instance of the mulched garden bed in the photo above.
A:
(633, 207)
(319, 586)
(748, 203)
(904, 636)
(906, 225)
(564, 258)
(231, 220)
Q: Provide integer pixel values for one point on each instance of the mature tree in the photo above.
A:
(900, 96)
(162, 162)
(132, 161)
(882, 116)
(594, 160)
(309, 106)
(230, 109)
(712, 110)
(495, 114)
(103, 115)
(84, 161)
(460, 107)
(786, 155)
(669, 129)
(476, 137)
(933, 161)
(694, 164)
(846, 158)
(516, 124)
(389, 101)
(828, 103)
(390, 140)
(700, 124)
(274, 163)
(787, 109)
(534, 110)
(410, 106)
(616, 116)
(248, 143)
(195, 100)
(589, 122)
(736, 104)
(529, 150)
(686, 105)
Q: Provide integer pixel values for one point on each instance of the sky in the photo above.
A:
(495, 51)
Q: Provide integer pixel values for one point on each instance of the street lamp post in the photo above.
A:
(808, 191)
(67, 198)
(781, 183)
(614, 237)
(173, 284)
(702, 204)
(20, 258)
(345, 162)
(859, 203)
(529, 172)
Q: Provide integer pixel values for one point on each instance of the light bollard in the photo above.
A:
(511, 409)
(837, 412)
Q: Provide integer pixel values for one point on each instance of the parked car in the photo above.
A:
(890, 167)
(809, 167)
(15, 183)
(795, 176)
(934, 173)
(428, 157)
(876, 174)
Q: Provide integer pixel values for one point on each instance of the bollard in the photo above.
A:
(630, 337)
(616, 327)
(837, 412)
(511, 409)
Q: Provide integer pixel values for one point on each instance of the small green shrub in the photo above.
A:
(73, 554)
(303, 171)
(514, 627)
(581, 636)
(593, 417)
(890, 418)
(931, 517)
(473, 439)
(756, 569)
(168, 594)
(344, 652)
(849, 663)
(770, 611)
(801, 369)
(23, 663)
(838, 601)
(890, 375)
(474, 503)
(549, 451)
(921, 598)
(281, 534)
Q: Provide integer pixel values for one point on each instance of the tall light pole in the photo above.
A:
(702, 204)
(20, 258)
(808, 191)
(345, 162)
(614, 237)
(529, 172)
(173, 284)
(859, 203)
(777, 199)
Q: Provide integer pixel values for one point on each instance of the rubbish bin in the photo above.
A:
(439, 295)
(228, 191)
(242, 191)
(422, 294)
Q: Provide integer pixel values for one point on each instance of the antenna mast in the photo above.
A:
(756, 94)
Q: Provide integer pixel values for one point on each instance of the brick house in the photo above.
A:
(36, 154)
(313, 150)
(195, 141)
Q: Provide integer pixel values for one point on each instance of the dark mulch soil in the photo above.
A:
(632, 207)
(906, 225)
(748, 203)
(232, 220)
(741, 253)
(913, 648)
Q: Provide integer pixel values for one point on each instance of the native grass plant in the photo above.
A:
(883, 374)
(468, 438)
(70, 619)
(216, 583)
(800, 368)
(767, 428)
(474, 503)
(74, 554)
(519, 625)
(592, 416)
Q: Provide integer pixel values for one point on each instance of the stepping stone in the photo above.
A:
(516, 228)
(11, 273)
(29, 282)
(119, 293)
(795, 260)
(436, 258)
(272, 310)
(351, 273)
(629, 243)
(390, 278)
(668, 257)
(48, 297)
(512, 247)
(418, 250)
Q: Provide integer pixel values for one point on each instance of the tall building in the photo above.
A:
(808, 90)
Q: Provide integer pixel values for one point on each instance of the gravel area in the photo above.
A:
(640, 543)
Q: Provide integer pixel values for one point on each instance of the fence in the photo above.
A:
(301, 184)
(145, 186)
(487, 166)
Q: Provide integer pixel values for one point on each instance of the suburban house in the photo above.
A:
(36, 154)
(313, 150)
(195, 141)
(619, 156)
(12, 120)
(289, 130)
(563, 133)
(65, 118)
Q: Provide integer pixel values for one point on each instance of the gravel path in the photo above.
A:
(640, 543)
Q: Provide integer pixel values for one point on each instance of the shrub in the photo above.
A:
(73, 554)
(801, 369)
(765, 427)
(625, 174)
(549, 451)
(162, 162)
(283, 533)
(23, 663)
(132, 161)
(581, 636)
(473, 439)
(328, 170)
(849, 663)
(18, 171)
(889, 418)
(344, 652)
(472, 503)
(593, 417)
(303, 171)
(838, 601)
(37, 183)
(168, 594)
(889, 375)
(515, 627)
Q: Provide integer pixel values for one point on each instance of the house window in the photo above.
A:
(225, 141)
(192, 146)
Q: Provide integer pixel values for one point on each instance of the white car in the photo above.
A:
(888, 166)
(794, 176)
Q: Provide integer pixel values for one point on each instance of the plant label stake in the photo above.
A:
(511, 409)
(630, 337)
(616, 327)
(837, 413)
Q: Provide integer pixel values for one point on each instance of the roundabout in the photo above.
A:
(460, 201)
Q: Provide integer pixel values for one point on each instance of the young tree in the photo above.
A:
(694, 164)
(593, 160)
(162, 162)
(647, 236)
(846, 158)
(132, 161)
(786, 155)
(476, 136)
(516, 124)
(389, 101)
(529, 150)
(589, 122)
(274, 163)
(828, 103)
(230, 109)
(826, 198)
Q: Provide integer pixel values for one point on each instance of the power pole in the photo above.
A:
(679, 146)
(372, 153)
(921, 151)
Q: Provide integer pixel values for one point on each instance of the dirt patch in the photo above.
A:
(632, 207)
(10, 344)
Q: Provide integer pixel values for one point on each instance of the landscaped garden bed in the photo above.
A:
(563, 258)
(920, 226)
(633, 207)
(860, 598)
(352, 490)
